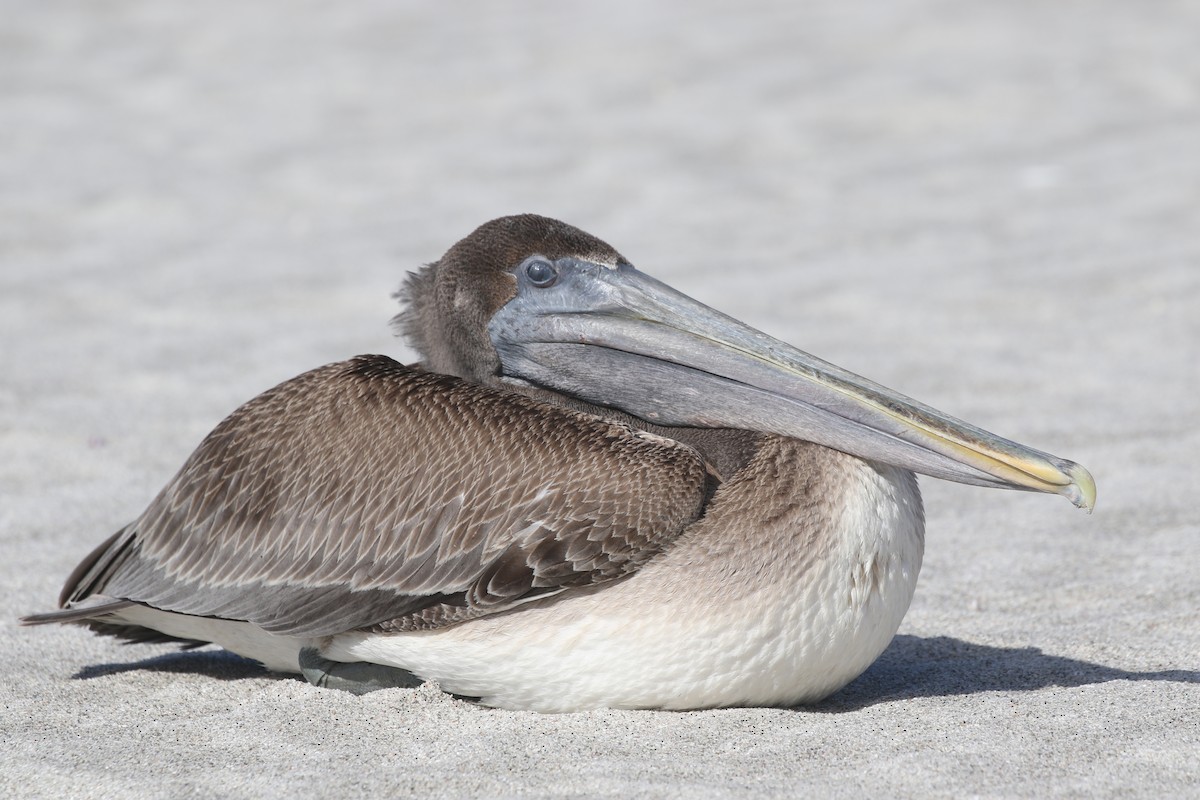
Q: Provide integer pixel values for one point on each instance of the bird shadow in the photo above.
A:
(941, 666)
(210, 662)
(913, 666)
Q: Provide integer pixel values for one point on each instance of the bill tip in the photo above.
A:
(1082, 489)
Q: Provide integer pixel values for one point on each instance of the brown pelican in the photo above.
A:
(592, 491)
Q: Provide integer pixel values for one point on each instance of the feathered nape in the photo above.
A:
(410, 325)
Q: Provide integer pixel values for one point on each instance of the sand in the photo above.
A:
(992, 207)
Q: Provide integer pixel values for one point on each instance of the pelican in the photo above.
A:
(592, 491)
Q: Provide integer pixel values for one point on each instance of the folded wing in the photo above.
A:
(367, 494)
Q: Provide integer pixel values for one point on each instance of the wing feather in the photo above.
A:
(367, 494)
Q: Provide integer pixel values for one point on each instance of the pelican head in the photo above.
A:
(530, 300)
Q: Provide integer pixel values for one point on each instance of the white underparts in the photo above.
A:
(676, 637)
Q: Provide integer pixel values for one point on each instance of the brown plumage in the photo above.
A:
(307, 511)
(448, 304)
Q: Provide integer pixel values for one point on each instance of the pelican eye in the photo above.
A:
(541, 273)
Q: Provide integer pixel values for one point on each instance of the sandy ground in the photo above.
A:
(993, 207)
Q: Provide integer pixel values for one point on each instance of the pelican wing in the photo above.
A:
(366, 494)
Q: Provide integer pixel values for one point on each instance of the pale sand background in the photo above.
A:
(994, 207)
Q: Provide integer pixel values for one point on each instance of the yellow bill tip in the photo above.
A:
(1082, 489)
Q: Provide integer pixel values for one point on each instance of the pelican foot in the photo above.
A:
(357, 677)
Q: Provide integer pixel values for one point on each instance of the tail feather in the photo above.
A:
(78, 613)
(82, 603)
(96, 618)
(94, 571)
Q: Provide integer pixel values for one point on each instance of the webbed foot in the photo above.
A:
(356, 677)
